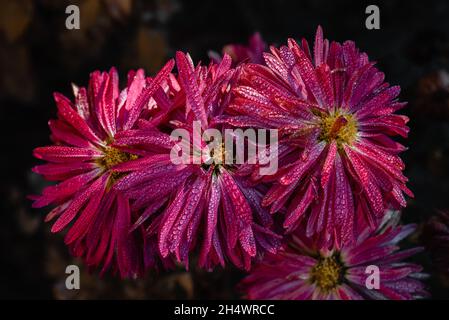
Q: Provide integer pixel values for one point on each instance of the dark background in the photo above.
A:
(38, 56)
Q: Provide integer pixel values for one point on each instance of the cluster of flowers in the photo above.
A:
(306, 232)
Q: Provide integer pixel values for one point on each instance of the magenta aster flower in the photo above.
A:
(339, 167)
(436, 238)
(302, 271)
(253, 52)
(196, 207)
(82, 158)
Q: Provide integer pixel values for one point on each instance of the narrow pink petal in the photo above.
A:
(66, 112)
(62, 132)
(318, 47)
(127, 249)
(108, 102)
(65, 154)
(169, 218)
(371, 190)
(64, 190)
(211, 220)
(79, 200)
(190, 84)
(85, 219)
(143, 98)
(193, 199)
(82, 104)
(149, 211)
(308, 74)
(59, 171)
(344, 203)
(328, 165)
(300, 208)
(302, 165)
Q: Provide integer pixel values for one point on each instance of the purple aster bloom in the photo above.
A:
(97, 217)
(339, 168)
(301, 271)
(195, 207)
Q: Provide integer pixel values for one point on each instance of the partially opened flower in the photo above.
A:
(196, 206)
(253, 52)
(436, 239)
(339, 167)
(98, 218)
(371, 268)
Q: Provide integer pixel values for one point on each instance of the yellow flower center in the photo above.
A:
(112, 157)
(339, 127)
(218, 154)
(216, 158)
(328, 273)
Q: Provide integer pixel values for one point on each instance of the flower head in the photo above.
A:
(253, 52)
(301, 271)
(339, 169)
(98, 218)
(203, 207)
